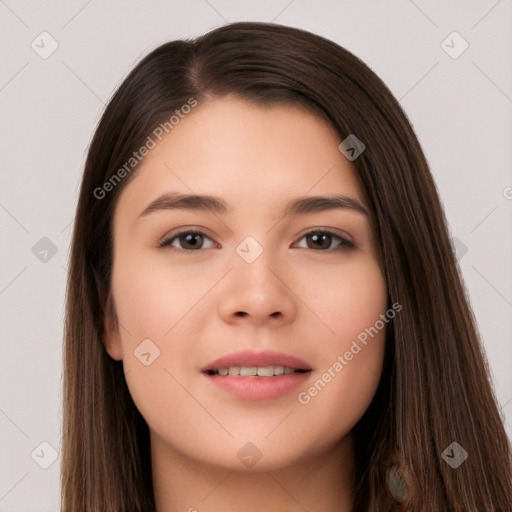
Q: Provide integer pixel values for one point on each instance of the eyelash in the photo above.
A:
(344, 243)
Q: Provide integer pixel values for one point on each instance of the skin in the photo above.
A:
(295, 298)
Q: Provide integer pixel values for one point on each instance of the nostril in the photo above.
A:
(242, 314)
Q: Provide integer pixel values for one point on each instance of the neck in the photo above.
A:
(322, 483)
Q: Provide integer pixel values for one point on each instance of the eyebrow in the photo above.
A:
(302, 205)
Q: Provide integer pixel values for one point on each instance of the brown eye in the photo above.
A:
(323, 241)
(319, 240)
(188, 241)
(191, 241)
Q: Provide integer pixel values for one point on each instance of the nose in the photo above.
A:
(257, 293)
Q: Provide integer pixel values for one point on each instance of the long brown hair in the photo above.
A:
(435, 388)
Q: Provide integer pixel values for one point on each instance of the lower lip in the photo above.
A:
(259, 388)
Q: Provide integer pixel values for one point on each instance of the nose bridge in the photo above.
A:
(253, 290)
(256, 275)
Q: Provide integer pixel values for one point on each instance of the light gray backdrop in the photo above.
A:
(459, 100)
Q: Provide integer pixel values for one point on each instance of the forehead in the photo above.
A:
(247, 154)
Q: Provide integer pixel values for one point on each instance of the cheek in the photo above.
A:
(351, 306)
(152, 297)
(158, 310)
(152, 303)
(347, 298)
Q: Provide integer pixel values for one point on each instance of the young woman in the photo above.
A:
(264, 310)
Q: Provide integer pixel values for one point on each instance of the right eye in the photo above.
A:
(188, 240)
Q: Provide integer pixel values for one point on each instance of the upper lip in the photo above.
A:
(254, 358)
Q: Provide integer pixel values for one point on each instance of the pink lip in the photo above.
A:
(258, 388)
(252, 358)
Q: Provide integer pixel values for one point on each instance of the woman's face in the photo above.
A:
(274, 283)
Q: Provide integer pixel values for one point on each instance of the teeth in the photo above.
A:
(266, 371)
(260, 371)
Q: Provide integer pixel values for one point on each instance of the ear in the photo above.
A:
(111, 337)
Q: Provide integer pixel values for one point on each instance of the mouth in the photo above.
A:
(257, 375)
(255, 371)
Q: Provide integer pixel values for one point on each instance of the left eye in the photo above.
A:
(319, 240)
(323, 240)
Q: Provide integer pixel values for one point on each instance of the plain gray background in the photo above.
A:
(460, 108)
